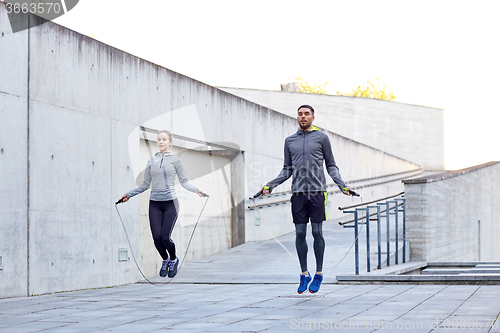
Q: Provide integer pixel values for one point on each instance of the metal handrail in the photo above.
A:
(396, 202)
(370, 202)
(352, 220)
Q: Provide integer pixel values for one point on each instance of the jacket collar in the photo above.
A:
(301, 131)
(163, 154)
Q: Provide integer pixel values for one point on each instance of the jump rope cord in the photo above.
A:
(133, 256)
(143, 129)
(289, 251)
(283, 246)
(194, 229)
(192, 234)
(128, 240)
(354, 242)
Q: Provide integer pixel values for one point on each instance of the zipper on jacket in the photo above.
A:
(304, 146)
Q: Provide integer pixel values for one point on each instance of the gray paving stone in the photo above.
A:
(34, 326)
(165, 321)
(250, 325)
(139, 328)
(208, 326)
(218, 318)
(276, 303)
(8, 320)
(70, 329)
(232, 305)
(22, 330)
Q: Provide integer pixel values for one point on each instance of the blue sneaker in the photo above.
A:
(304, 281)
(314, 287)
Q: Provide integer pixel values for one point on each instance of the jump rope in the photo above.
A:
(351, 192)
(143, 129)
(187, 248)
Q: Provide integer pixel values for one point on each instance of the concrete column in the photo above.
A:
(238, 193)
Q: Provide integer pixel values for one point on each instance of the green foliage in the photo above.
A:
(371, 90)
(305, 87)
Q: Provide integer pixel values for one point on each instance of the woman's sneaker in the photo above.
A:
(172, 267)
(164, 268)
(304, 281)
(314, 287)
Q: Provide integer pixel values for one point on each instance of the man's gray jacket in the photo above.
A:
(305, 152)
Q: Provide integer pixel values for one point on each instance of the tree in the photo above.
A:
(371, 90)
(305, 87)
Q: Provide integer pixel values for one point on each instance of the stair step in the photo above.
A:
(460, 271)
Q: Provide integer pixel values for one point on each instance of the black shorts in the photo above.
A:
(311, 205)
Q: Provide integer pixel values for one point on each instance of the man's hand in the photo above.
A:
(346, 190)
(265, 190)
(350, 192)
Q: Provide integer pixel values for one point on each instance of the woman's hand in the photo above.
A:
(201, 193)
(124, 198)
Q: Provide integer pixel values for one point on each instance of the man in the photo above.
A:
(305, 152)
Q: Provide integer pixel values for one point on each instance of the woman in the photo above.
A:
(163, 204)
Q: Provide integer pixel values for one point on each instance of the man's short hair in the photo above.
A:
(307, 107)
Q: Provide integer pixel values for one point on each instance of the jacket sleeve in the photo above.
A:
(181, 174)
(286, 172)
(331, 167)
(145, 184)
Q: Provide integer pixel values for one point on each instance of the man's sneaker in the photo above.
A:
(304, 281)
(164, 268)
(314, 287)
(172, 267)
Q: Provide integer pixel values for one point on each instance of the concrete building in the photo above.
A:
(412, 132)
(77, 125)
(72, 110)
(453, 216)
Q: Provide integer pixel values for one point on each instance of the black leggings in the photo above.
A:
(162, 217)
(301, 244)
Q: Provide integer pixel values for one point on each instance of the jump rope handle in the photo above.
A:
(204, 195)
(256, 195)
(351, 192)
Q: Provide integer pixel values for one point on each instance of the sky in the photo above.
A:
(439, 53)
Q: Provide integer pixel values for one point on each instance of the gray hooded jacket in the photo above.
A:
(160, 175)
(305, 152)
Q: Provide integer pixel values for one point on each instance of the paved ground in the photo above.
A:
(252, 288)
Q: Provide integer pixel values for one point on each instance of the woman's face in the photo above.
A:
(163, 142)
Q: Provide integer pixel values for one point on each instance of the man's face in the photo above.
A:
(305, 118)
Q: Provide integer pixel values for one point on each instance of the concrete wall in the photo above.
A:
(412, 132)
(13, 158)
(443, 211)
(70, 107)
